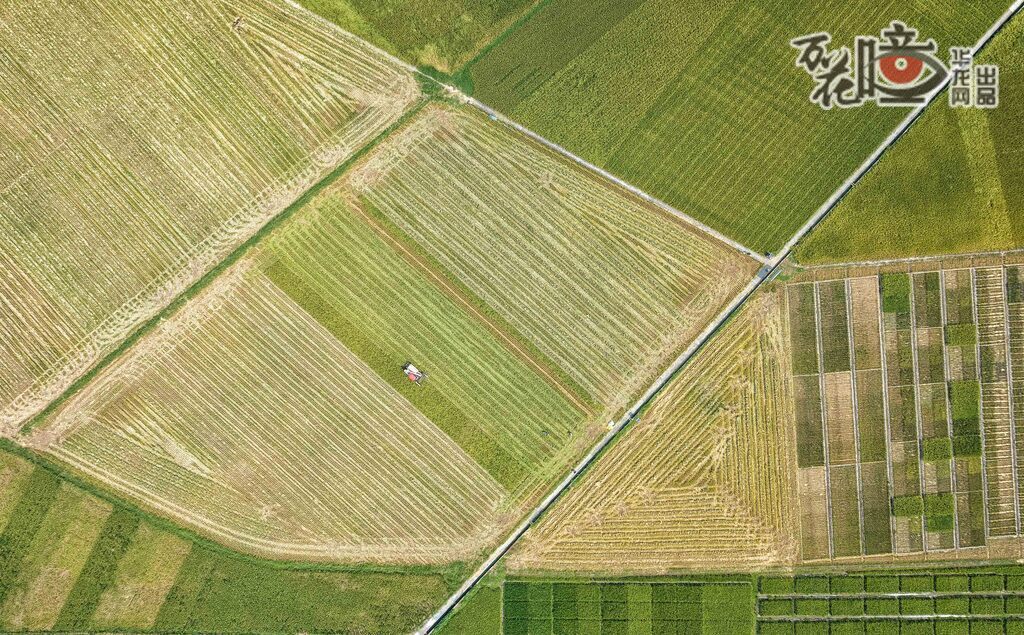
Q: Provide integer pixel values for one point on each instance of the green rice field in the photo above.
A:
(708, 113)
(953, 184)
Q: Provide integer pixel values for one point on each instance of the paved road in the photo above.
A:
(765, 274)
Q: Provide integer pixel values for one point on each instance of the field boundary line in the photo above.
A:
(848, 287)
(824, 422)
(454, 293)
(981, 403)
(949, 408)
(767, 273)
(1019, 251)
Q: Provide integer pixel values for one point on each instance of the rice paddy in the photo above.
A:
(700, 104)
(144, 143)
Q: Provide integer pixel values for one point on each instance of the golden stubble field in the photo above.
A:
(145, 142)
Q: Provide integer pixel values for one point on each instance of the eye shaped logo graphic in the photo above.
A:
(908, 74)
(900, 70)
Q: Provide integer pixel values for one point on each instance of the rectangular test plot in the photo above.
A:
(996, 416)
(835, 336)
(865, 323)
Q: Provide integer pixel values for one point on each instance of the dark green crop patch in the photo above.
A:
(895, 293)
(907, 506)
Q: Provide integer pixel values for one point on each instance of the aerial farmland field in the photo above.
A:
(125, 181)
(333, 454)
(604, 286)
(953, 185)
(934, 438)
(511, 317)
(700, 104)
(345, 468)
(702, 482)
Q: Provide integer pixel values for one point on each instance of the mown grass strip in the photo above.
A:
(100, 570)
(36, 499)
(213, 273)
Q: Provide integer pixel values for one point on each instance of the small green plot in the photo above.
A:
(916, 627)
(882, 583)
(964, 395)
(771, 628)
(847, 606)
(776, 606)
(953, 606)
(1015, 583)
(846, 628)
(881, 627)
(951, 583)
(895, 293)
(961, 334)
(614, 611)
(566, 627)
(936, 450)
(967, 445)
(986, 582)
(987, 606)
(812, 607)
(515, 591)
(907, 506)
(951, 627)
(614, 627)
(516, 626)
(986, 627)
(916, 606)
(882, 606)
(812, 628)
(812, 584)
(776, 584)
(846, 584)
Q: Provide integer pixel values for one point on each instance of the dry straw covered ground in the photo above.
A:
(270, 411)
(704, 479)
(143, 142)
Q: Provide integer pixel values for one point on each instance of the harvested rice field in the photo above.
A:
(143, 144)
(271, 412)
(702, 481)
(603, 285)
(246, 419)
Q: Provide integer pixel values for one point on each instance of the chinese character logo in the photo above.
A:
(895, 69)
